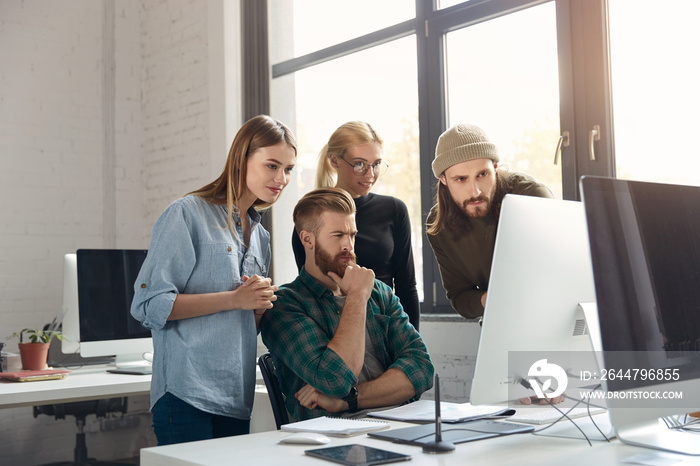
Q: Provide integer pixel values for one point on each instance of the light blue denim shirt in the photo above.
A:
(207, 361)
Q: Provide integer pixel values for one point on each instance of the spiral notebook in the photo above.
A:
(35, 375)
(336, 426)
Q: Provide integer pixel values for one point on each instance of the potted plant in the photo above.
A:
(35, 352)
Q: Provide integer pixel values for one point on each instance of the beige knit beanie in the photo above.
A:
(460, 144)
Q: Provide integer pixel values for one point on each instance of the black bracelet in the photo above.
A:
(351, 400)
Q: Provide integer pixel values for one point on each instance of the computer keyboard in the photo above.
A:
(547, 414)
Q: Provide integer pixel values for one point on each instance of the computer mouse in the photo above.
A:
(306, 438)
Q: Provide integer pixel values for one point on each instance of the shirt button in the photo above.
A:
(238, 223)
(228, 249)
(246, 256)
(143, 285)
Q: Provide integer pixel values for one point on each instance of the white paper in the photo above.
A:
(336, 426)
(424, 411)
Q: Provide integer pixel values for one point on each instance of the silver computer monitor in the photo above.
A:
(645, 252)
(540, 273)
(70, 322)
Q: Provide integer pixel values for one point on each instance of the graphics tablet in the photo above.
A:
(455, 433)
(357, 455)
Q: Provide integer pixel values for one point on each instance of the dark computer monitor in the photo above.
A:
(645, 253)
(105, 290)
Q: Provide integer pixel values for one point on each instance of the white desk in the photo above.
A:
(91, 383)
(523, 449)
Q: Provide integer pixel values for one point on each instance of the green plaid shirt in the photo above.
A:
(304, 319)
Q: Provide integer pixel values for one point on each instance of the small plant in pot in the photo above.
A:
(34, 352)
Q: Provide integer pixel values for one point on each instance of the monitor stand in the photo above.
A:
(650, 435)
(660, 437)
(57, 358)
(590, 316)
(139, 364)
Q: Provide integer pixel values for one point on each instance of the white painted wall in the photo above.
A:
(109, 110)
(452, 346)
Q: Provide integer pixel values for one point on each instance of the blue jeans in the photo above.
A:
(175, 421)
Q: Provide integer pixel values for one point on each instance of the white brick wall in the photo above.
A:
(49, 137)
(53, 186)
(175, 101)
(132, 229)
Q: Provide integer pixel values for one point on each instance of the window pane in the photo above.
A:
(378, 85)
(502, 75)
(448, 3)
(655, 76)
(317, 24)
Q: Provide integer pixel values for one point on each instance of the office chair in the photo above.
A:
(81, 409)
(267, 367)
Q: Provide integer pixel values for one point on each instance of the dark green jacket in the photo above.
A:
(465, 257)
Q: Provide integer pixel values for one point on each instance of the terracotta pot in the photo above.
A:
(33, 355)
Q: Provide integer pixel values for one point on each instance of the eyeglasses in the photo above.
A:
(361, 168)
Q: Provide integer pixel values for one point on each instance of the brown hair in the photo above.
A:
(352, 133)
(258, 132)
(447, 213)
(307, 213)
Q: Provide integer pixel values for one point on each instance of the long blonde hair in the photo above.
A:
(258, 132)
(352, 133)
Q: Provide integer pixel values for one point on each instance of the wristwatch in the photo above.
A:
(351, 400)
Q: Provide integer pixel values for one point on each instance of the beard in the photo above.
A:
(327, 263)
(482, 210)
(479, 211)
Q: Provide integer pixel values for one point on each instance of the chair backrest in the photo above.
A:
(267, 368)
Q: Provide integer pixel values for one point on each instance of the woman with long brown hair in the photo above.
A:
(203, 289)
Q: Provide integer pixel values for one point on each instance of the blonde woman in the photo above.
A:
(203, 289)
(352, 160)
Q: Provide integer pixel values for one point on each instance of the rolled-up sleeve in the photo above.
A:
(166, 270)
(301, 344)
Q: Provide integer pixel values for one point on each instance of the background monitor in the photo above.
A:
(70, 322)
(66, 353)
(645, 251)
(541, 271)
(105, 290)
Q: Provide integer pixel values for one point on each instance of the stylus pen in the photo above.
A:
(438, 417)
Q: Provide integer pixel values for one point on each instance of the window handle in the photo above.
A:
(563, 142)
(593, 135)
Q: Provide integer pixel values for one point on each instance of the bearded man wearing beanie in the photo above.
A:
(462, 224)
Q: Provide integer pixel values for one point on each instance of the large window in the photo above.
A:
(372, 82)
(655, 76)
(502, 75)
(537, 75)
(301, 27)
